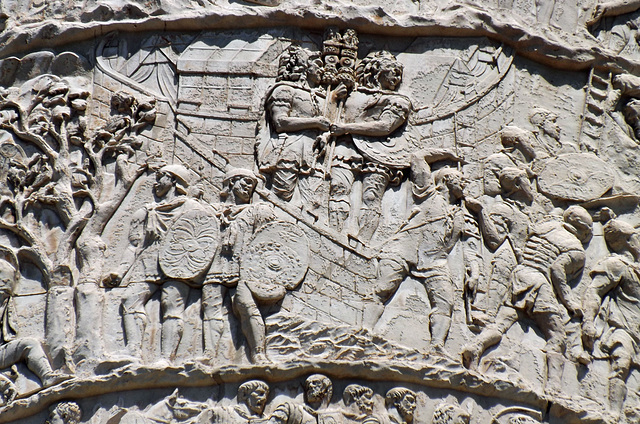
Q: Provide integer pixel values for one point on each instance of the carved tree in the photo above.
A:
(66, 172)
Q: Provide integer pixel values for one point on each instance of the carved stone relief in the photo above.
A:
(339, 212)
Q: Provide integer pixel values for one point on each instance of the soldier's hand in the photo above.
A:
(320, 142)
(340, 92)
(588, 334)
(575, 309)
(323, 123)
(9, 390)
(338, 129)
(474, 205)
(598, 13)
(113, 279)
(471, 280)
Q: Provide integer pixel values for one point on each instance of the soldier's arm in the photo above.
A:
(420, 176)
(280, 106)
(8, 390)
(492, 237)
(136, 241)
(264, 215)
(613, 8)
(282, 413)
(567, 265)
(602, 282)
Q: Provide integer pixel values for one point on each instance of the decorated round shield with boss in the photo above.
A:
(275, 260)
(190, 243)
(576, 176)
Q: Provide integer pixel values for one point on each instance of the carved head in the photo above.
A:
(65, 413)
(9, 271)
(254, 394)
(318, 388)
(404, 400)
(360, 396)
(502, 216)
(447, 413)
(515, 180)
(293, 65)
(620, 235)
(452, 179)
(170, 176)
(379, 70)
(240, 183)
(579, 218)
(546, 121)
(315, 69)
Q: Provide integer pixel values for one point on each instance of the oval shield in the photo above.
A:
(276, 257)
(579, 177)
(190, 243)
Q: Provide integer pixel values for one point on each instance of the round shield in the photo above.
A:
(190, 243)
(577, 177)
(276, 257)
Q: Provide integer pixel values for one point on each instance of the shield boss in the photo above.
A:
(276, 259)
(190, 243)
(576, 176)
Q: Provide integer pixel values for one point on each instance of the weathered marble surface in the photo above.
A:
(335, 212)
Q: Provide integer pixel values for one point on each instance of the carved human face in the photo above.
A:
(460, 416)
(364, 402)
(315, 390)
(456, 184)
(242, 188)
(257, 400)
(390, 76)
(634, 244)
(55, 418)
(407, 406)
(551, 128)
(314, 71)
(163, 184)
(584, 230)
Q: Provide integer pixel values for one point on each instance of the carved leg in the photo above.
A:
(253, 328)
(213, 318)
(390, 275)
(439, 325)
(440, 291)
(374, 185)
(617, 395)
(487, 305)
(544, 11)
(555, 368)
(552, 326)
(490, 336)
(134, 317)
(173, 300)
(620, 366)
(31, 351)
(339, 196)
